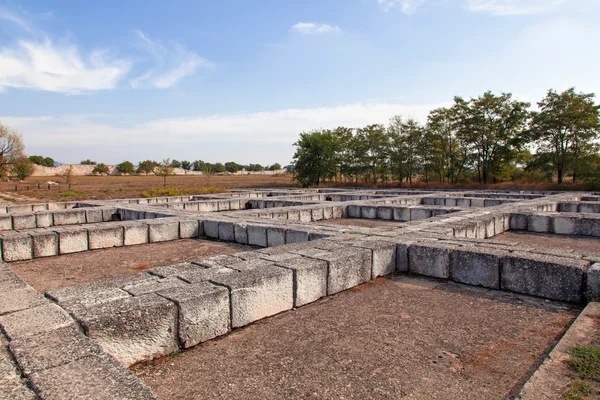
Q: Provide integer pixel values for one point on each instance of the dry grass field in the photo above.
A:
(114, 187)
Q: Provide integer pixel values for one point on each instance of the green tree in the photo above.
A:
(146, 167)
(275, 167)
(88, 162)
(492, 127)
(199, 165)
(315, 157)
(125, 167)
(232, 166)
(164, 169)
(12, 149)
(373, 145)
(37, 160)
(186, 165)
(175, 164)
(22, 169)
(219, 168)
(48, 162)
(101, 169)
(565, 128)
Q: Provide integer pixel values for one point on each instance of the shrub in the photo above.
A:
(22, 169)
(101, 169)
(125, 167)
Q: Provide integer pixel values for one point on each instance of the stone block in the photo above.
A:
(69, 217)
(19, 209)
(293, 236)
(305, 215)
(5, 223)
(593, 283)
(135, 233)
(476, 267)
(19, 299)
(563, 225)
(518, 222)
(317, 214)
(353, 211)
(402, 214)
(592, 208)
(368, 212)
(93, 215)
(190, 229)
(39, 207)
(551, 277)
(163, 231)
(538, 223)
(385, 213)
(109, 214)
(226, 231)
(293, 215)
(501, 223)
(589, 226)
(429, 259)
(567, 207)
(102, 237)
(23, 221)
(211, 229)
(72, 240)
(44, 219)
(460, 202)
(383, 256)
(310, 278)
(35, 320)
(153, 285)
(327, 212)
(45, 243)
(91, 378)
(338, 212)
(402, 264)
(240, 231)
(132, 329)
(348, 267)
(203, 310)
(223, 205)
(419, 213)
(16, 246)
(51, 349)
(257, 235)
(275, 236)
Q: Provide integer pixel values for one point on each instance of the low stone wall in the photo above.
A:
(81, 170)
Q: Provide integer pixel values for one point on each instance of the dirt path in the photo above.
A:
(388, 339)
(72, 269)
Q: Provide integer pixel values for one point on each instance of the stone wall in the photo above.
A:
(81, 170)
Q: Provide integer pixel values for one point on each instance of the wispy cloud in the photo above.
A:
(173, 62)
(406, 6)
(312, 28)
(513, 7)
(36, 62)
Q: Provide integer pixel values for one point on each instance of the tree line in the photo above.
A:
(487, 139)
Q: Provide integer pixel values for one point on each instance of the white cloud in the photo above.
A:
(406, 6)
(173, 63)
(58, 136)
(311, 28)
(38, 63)
(513, 7)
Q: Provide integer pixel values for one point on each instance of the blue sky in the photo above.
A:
(239, 80)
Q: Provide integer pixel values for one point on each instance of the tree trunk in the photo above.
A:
(559, 174)
(164, 181)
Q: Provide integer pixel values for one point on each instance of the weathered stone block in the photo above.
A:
(368, 212)
(132, 329)
(353, 211)
(562, 225)
(419, 213)
(110, 214)
(275, 236)
(33, 321)
(385, 213)
(102, 237)
(211, 228)
(91, 378)
(72, 240)
(293, 215)
(203, 311)
(589, 226)
(135, 233)
(593, 283)
(348, 267)
(429, 260)
(19, 299)
(190, 229)
(317, 214)
(45, 243)
(402, 214)
(257, 235)
(538, 223)
(23, 221)
(383, 256)
(556, 278)
(226, 231)
(476, 267)
(70, 217)
(240, 231)
(310, 278)
(16, 246)
(93, 215)
(293, 236)
(5, 223)
(163, 231)
(518, 222)
(338, 212)
(153, 285)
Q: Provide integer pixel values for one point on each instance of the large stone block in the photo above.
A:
(476, 267)
(69, 217)
(383, 256)
(593, 283)
(419, 213)
(132, 329)
(368, 212)
(102, 237)
(310, 277)
(518, 222)
(257, 235)
(16, 246)
(135, 233)
(226, 231)
(317, 214)
(589, 226)
(211, 229)
(348, 267)
(5, 223)
(564, 225)
(551, 277)
(19, 299)
(93, 215)
(190, 229)
(385, 213)
(294, 236)
(402, 214)
(275, 236)
(35, 320)
(153, 285)
(96, 377)
(429, 259)
(72, 240)
(163, 231)
(538, 223)
(240, 233)
(203, 311)
(23, 221)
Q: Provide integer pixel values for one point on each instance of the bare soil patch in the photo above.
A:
(73, 269)
(549, 241)
(390, 338)
(365, 223)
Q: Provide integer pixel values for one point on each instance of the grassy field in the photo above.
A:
(113, 187)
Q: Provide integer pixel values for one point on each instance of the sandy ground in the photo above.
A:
(401, 338)
(365, 223)
(72, 269)
(542, 240)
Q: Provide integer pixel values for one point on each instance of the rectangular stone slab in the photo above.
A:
(203, 311)
(476, 267)
(101, 237)
(310, 277)
(348, 267)
(132, 329)
(429, 259)
(44, 318)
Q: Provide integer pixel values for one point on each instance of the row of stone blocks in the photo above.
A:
(580, 207)
(28, 208)
(54, 356)
(45, 219)
(265, 203)
(312, 213)
(212, 205)
(463, 202)
(411, 213)
(149, 315)
(557, 223)
(45, 242)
